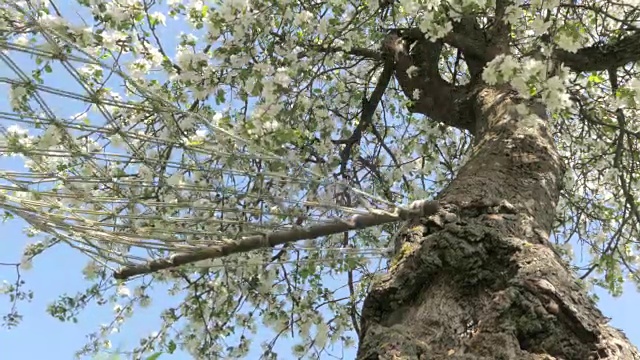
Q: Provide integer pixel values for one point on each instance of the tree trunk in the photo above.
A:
(480, 280)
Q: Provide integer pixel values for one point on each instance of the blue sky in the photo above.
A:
(58, 271)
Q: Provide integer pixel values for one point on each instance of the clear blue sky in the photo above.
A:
(58, 271)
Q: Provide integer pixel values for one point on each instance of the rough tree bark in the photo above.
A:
(480, 280)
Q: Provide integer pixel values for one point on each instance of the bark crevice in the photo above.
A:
(470, 292)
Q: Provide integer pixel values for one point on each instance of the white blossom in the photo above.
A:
(412, 71)
(123, 291)
(567, 42)
(158, 17)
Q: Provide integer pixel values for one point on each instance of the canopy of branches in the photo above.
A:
(147, 128)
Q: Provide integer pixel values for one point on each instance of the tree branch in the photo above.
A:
(368, 110)
(356, 222)
(479, 50)
(356, 51)
(602, 56)
(472, 42)
(418, 74)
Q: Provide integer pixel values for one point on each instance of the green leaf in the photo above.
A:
(220, 96)
(154, 356)
(195, 142)
(595, 78)
(7, 216)
(171, 347)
